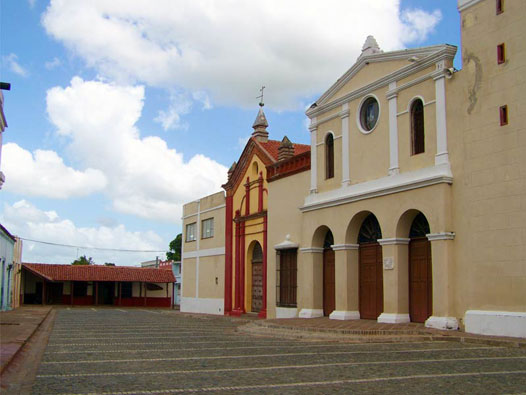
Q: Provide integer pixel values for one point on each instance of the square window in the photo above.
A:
(501, 53)
(208, 228)
(500, 8)
(190, 232)
(503, 112)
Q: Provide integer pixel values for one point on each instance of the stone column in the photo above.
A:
(442, 274)
(395, 253)
(313, 128)
(310, 276)
(393, 130)
(347, 282)
(344, 115)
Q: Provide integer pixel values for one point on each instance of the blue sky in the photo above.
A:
(120, 112)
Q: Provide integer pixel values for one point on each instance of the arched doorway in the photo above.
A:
(420, 280)
(329, 294)
(257, 278)
(371, 271)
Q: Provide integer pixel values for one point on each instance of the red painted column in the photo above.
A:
(247, 197)
(228, 255)
(237, 297)
(242, 268)
(260, 192)
(263, 311)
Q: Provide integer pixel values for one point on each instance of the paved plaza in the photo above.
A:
(134, 351)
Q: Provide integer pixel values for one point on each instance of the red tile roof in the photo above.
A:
(99, 273)
(271, 146)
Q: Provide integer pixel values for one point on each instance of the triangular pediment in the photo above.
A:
(252, 148)
(381, 67)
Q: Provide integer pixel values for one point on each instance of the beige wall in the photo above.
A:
(284, 217)
(489, 161)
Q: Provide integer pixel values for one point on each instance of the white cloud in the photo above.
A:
(11, 62)
(145, 177)
(43, 173)
(418, 23)
(25, 220)
(170, 119)
(228, 50)
(52, 64)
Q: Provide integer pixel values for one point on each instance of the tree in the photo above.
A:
(83, 261)
(109, 264)
(175, 249)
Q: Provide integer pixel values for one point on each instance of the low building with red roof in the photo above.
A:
(96, 285)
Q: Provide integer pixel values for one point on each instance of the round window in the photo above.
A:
(369, 114)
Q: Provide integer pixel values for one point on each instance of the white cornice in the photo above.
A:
(463, 4)
(286, 244)
(342, 247)
(383, 186)
(431, 56)
(207, 252)
(204, 211)
(441, 236)
(312, 250)
(393, 241)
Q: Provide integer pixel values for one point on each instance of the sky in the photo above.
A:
(122, 111)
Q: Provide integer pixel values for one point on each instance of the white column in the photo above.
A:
(313, 156)
(198, 238)
(344, 115)
(393, 130)
(442, 156)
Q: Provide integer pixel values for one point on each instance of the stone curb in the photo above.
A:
(370, 336)
(23, 343)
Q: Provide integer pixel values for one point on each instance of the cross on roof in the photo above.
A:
(261, 103)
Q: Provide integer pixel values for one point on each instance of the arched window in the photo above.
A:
(329, 156)
(417, 127)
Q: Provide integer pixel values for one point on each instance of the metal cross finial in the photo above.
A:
(261, 103)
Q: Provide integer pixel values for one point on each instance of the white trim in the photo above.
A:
(441, 236)
(359, 110)
(202, 305)
(425, 105)
(204, 211)
(463, 4)
(442, 156)
(286, 244)
(341, 247)
(198, 233)
(313, 157)
(429, 56)
(344, 315)
(444, 323)
(313, 250)
(202, 253)
(286, 312)
(496, 323)
(311, 313)
(394, 167)
(417, 97)
(393, 318)
(345, 144)
(393, 241)
(383, 186)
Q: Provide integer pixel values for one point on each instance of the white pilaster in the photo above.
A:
(313, 127)
(442, 156)
(344, 115)
(198, 238)
(393, 131)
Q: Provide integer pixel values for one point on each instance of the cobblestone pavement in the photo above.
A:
(132, 351)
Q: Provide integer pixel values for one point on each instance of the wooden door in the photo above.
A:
(329, 296)
(257, 286)
(54, 294)
(420, 280)
(371, 281)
